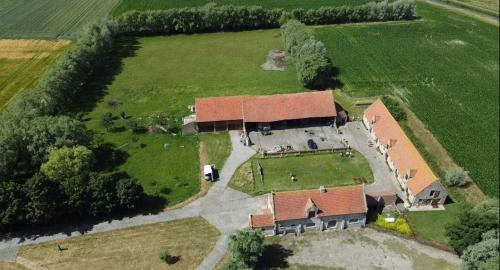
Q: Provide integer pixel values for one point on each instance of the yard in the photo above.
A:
(310, 170)
(352, 249)
(50, 19)
(188, 240)
(127, 5)
(444, 66)
(22, 62)
(162, 76)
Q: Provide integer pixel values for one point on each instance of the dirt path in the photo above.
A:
(471, 13)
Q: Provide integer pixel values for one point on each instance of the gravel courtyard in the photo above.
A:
(362, 249)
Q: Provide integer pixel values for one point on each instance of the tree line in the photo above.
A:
(212, 18)
(314, 68)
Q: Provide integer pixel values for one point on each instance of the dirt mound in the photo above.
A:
(276, 60)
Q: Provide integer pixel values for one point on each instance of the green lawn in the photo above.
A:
(50, 19)
(217, 147)
(444, 66)
(430, 225)
(311, 170)
(165, 74)
(127, 5)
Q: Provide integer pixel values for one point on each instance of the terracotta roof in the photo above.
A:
(403, 153)
(261, 221)
(268, 108)
(335, 201)
(219, 108)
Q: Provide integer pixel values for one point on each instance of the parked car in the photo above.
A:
(210, 172)
(312, 145)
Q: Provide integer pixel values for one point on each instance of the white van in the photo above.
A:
(208, 172)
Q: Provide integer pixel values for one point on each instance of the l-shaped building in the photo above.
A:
(410, 169)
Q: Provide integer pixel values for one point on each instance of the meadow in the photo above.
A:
(164, 75)
(23, 61)
(188, 240)
(445, 66)
(311, 171)
(127, 5)
(50, 19)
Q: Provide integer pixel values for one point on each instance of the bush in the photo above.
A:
(456, 177)
(247, 247)
(314, 68)
(483, 254)
(400, 225)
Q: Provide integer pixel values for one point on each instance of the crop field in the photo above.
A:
(164, 75)
(127, 5)
(48, 19)
(23, 61)
(444, 66)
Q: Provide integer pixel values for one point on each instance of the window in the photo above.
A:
(434, 193)
(310, 225)
(332, 224)
(311, 214)
(353, 221)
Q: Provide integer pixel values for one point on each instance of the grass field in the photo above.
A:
(165, 74)
(127, 5)
(22, 62)
(312, 171)
(217, 147)
(485, 5)
(47, 19)
(190, 240)
(444, 66)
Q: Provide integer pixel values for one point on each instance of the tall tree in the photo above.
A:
(247, 246)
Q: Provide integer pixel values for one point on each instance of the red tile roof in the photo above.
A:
(261, 221)
(266, 109)
(403, 153)
(219, 108)
(335, 201)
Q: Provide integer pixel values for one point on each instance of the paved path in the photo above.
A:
(384, 180)
(225, 208)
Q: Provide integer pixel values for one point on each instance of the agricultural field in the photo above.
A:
(163, 75)
(311, 171)
(127, 5)
(50, 19)
(480, 5)
(187, 240)
(23, 61)
(445, 66)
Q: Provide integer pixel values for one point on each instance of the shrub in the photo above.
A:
(483, 254)
(247, 247)
(400, 225)
(456, 177)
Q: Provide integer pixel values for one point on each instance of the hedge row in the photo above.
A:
(213, 18)
(314, 68)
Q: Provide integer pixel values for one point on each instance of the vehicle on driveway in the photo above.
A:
(312, 145)
(210, 172)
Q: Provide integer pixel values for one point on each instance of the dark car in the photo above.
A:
(312, 145)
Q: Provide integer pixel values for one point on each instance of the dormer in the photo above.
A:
(311, 210)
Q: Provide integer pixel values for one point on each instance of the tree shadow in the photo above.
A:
(172, 259)
(274, 257)
(108, 158)
(95, 89)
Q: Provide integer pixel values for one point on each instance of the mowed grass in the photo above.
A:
(165, 74)
(127, 5)
(23, 61)
(488, 5)
(190, 240)
(216, 148)
(444, 66)
(48, 19)
(431, 225)
(311, 171)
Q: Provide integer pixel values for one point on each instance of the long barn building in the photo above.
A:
(276, 111)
